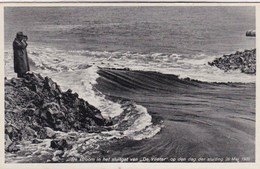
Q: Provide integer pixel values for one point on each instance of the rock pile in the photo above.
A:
(251, 33)
(35, 107)
(244, 61)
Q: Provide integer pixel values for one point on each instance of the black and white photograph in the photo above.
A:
(129, 83)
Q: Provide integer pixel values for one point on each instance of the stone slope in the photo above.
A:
(35, 107)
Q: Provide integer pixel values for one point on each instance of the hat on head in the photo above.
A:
(19, 34)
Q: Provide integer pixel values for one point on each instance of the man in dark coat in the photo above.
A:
(21, 64)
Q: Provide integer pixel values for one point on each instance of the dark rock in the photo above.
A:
(8, 129)
(251, 33)
(16, 82)
(13, 148)
(34, 88)
(52, 108)
(99, 119)
(13, 132)
(28, 133)
(58, 153)
(245, 61)
(109, 122)
(72, 137)
(49, 132)
(31, 105)
(42, 133)
(60, 144)
(8, 141)
(29, 111)
(35, 107)
(69, 91)
(36, 141)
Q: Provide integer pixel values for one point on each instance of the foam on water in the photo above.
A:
(142, 127)
(143, 120)
(77, 70)
(191, 66)
(194, 67)
(79, 73)
(138, 124)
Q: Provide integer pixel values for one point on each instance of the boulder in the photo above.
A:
(8, 141)
(58, 153)
(99, 119)
(36, 141)
(55, 159)
(13, 132)
(28, 133)
(52, 107)
(60, 144)
(108, 122)
(13, 147)
(251, 33)
(49, 132)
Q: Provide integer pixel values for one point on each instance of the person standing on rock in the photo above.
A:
(21, 64)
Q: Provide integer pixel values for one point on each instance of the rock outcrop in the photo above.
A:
(244, 61)
(35, 108)
(251, 33)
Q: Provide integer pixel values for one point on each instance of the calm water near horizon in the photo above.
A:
(181, 30)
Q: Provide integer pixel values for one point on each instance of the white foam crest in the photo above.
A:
(202, 72)
(143, 120)
(82, 82)
(142, 127)
(96, 98)
(186, 66)
(191, 66)
(148, 132)
(51, 59)
(139, 124)
(71, 72)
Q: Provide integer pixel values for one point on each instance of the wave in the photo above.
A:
(82, 71)
(71, 72)
(190, 111)
(184, 65)
(147, 106)
(133, 81)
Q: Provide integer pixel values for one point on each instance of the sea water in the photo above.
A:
(70, 44)
(173, 40)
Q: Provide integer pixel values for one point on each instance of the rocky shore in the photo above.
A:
(36, 108)
(251, 33)
(244, 61)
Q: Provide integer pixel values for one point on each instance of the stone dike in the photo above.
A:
(35, 108)
(244, 61)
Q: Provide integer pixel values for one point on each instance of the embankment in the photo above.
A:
(35, 108)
